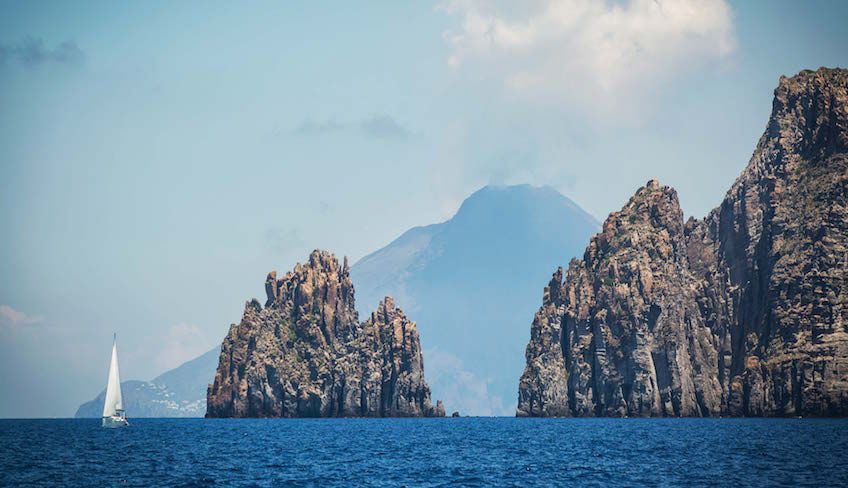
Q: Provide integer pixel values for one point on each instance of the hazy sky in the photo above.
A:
(158, 158)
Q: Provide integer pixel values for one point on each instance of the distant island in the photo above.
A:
(472, 281)
(743, 313)
(180, 392)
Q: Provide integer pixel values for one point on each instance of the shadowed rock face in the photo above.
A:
(773, 263)
(305, 354)
(742, 313)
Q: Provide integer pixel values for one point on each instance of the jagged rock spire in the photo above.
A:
(305, 354)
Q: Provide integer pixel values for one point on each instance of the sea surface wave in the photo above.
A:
(425, 452)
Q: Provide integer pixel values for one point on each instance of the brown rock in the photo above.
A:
(622, 335)
(742, 313)
(773, 259)
(271, 288)
(306, 354)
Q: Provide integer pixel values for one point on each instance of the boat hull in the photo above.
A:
(114, 422)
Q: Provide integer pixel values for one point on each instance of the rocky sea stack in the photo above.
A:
(743, 313)
(305, 353)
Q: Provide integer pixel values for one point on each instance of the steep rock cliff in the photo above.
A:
(773, 261)
(622, 335)
(742, 313)
(305, 353)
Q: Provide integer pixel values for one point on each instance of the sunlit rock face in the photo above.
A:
(622, 334)
(305, 353)
(741, 313)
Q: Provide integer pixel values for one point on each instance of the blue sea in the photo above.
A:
(426, 452)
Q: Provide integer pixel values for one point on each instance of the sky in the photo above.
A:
(157, 159)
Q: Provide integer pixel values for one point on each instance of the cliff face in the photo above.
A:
(773, 258)
(305, 353)
(622, 336)
(742, 313)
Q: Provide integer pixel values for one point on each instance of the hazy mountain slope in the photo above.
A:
(470, 283)
(180, 392)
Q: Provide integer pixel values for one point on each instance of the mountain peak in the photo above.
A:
(525, 190)
(517, 203)
(810, 111)
(470, 280)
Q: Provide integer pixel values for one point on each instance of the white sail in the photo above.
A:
(113, 402)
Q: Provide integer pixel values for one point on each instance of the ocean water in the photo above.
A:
(426, 452)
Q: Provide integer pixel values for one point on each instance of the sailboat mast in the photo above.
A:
(113, 401)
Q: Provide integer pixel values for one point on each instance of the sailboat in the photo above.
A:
(113, 407)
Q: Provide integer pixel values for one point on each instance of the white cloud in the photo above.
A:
(594, 53)
(183, 342)
(11, 318)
